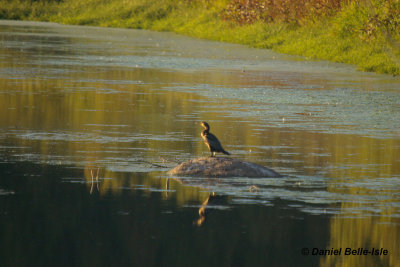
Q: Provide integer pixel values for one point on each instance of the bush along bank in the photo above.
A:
(365, 33)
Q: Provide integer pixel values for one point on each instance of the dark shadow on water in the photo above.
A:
(50, 222)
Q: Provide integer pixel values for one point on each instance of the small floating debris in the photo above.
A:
(253, 188)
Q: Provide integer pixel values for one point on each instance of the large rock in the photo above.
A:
(221, 167)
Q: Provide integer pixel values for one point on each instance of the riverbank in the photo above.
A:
(363, 33)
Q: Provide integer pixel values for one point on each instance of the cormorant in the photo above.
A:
(211, 140)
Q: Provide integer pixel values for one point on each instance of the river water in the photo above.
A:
(92, 118)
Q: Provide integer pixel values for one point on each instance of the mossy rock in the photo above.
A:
(221, 167)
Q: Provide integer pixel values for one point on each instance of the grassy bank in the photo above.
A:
(365, 33)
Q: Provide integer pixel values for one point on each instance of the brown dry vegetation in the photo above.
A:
(250, 11)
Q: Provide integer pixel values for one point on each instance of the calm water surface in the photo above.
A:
(91, 118)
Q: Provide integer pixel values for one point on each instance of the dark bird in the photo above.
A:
(211, 140)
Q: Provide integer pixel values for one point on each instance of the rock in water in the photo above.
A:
(221, 167)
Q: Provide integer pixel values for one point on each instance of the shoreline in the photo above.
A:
(321, 39)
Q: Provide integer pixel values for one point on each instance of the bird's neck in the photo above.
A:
(205, 131)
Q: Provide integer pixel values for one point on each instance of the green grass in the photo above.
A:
(363, 33)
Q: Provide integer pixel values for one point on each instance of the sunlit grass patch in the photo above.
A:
(364, 33)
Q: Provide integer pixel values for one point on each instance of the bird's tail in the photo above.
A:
(226, 152)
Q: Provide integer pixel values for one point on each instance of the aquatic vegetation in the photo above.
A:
(365, 33)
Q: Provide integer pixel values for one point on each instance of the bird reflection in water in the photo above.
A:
(97, 180)
(212, 199)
